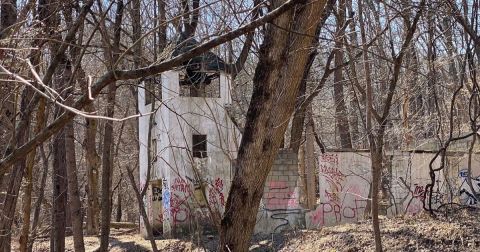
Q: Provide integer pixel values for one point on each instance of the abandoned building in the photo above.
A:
(188, 144)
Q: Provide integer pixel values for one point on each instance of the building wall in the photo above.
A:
(182, 176)
(345, 178)
(280, 208)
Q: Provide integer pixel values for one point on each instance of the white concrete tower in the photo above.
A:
(193, 143)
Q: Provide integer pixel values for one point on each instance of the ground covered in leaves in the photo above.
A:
(457, 232)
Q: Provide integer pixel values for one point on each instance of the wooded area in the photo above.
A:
(109, 109)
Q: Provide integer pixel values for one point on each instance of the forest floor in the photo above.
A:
(458, 232)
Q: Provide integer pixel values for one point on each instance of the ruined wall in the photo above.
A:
(280, 208)
(183, 208)
(344, 182)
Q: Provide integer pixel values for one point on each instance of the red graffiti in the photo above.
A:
(179, 210)
(180, 185)
(419, 191)
(329, 158)
(215, 193)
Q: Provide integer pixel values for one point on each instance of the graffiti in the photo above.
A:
(181, 192)
(329, 158)
(337, 213)
(281, 195)
(179, 210)
(342, 198)
(156, 193)
(180, 185)
(415, 204)
(466, 195)
(166, 196)
(331, 174)
(419, 191)
(215, 193)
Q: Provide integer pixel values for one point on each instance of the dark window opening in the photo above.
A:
(199, 84)
(199, 146)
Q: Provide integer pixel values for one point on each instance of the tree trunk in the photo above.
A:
(73, 191)
(376, 176)
(27, 198)
(118, 217)
(107, 157)
(143, 212)
(107, 170)
(341, 114)
(373, 154)
(282, 61)
(8, 9)
(310, 160)
(8, 101)
(298, 120)
(92, 161)
(40, 197)
(59, 177)
(16, 177)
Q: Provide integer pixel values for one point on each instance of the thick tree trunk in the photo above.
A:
(107, 170)
(298, 120)
(8, 16)
(92, 162)
(283, 58)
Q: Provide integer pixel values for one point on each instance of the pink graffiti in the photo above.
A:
(416, 204)
(338, 212)
(280, 196)
(277, 185)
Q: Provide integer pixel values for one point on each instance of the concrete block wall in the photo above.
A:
(282, 182)
(280, 208)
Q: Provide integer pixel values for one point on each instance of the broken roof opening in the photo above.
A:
(201, 69)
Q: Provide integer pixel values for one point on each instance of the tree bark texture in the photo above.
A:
(283, 58)
(73, 191)
(341, 113)
(107, 155)
(59, 177)
(27, 198)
